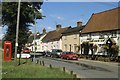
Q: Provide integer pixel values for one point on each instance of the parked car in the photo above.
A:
(26, 50)
(69, 55)
(56, 52)
(25, 53)
(47, 53)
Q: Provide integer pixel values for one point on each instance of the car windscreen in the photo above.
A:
(58, 50)
(69, 53)
(26, 49)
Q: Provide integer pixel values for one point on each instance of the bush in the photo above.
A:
(115, 50)
(86, 46)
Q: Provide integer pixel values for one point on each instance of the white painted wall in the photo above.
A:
(48, 46)
(118, 35)
(99, 42)
(39, 44)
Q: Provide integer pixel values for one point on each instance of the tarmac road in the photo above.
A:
(85, 68)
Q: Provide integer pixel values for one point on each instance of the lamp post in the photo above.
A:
(17, 31)
(34, 39)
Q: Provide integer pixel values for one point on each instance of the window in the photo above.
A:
(114, 34)
(54, 47)
(42, 47)
(89, 37)
(57, 46)
(101, 36)
(51, 42)
(65, 47)
(75, 47)
(51, 47)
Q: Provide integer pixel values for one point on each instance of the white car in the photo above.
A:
(24, 55)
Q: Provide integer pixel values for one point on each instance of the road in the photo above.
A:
(85, 68)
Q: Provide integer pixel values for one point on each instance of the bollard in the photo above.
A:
(71, 72)
(26, 59)
(50, 66)
(43, 63)
(31, 59)
(40, 63)
(36, 61)
(63, 69)
(75, 76)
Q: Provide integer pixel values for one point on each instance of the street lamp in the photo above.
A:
(34, 39)
(17, 31)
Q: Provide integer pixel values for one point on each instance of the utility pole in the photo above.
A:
(17, 32)
(34, 39)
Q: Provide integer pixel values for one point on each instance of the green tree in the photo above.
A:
(28, 12)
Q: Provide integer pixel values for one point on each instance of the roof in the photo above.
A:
(73, 30)
(54, 35)
(103, 21)
(31, 37)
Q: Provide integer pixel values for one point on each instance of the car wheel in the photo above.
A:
(51, 56)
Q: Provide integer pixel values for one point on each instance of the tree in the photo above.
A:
(28, 12)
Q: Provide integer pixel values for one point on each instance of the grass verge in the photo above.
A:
(30, 70)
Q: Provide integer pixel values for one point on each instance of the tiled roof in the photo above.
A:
(54, 35)
(103, 21)
(73, 30)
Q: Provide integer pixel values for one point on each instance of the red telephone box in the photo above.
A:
(7, 50)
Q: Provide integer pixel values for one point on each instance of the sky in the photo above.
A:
(67, 14)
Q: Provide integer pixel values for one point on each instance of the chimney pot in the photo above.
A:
(58, 26)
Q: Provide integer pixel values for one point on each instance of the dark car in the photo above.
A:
(69, 55)
(47, 53)
(56, 53)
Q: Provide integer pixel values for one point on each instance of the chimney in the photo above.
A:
(79, 24)
(44, 31)
(58, 26)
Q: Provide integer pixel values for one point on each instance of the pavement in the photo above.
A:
(85, 68)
